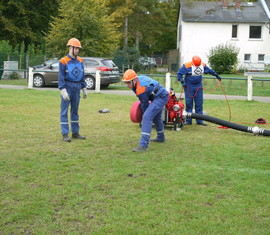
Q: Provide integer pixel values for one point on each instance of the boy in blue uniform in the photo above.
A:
(70, 81)
(192, 83)
(147, 89)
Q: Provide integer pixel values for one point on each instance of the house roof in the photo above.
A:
(201, 11)
(268, 3)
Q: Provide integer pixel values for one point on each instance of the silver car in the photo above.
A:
(109, 73)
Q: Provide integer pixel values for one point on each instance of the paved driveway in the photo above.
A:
(129, 92)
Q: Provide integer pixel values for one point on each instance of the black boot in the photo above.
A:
(66, 138)
(78, 136)
(140, 149)
(158, 140)
(202, 124)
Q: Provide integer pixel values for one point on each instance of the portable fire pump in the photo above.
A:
(173, 112)
(174, 115)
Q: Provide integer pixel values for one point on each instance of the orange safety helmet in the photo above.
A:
(196, 60)
(74, 42)
(129, 75)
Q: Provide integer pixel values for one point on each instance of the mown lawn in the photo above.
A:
(202, 180)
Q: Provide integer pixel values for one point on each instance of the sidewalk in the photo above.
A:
(129, 92)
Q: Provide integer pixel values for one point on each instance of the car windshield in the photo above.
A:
(55, 65)
(49, 62)
(108, 63)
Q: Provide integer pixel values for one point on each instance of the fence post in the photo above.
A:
(168, 81)
(30, 78)
(26, 65)
(249, 87)
(97, 86)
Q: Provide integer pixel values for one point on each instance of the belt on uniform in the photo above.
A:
(73, 81)
(156, 91)
(152, 95)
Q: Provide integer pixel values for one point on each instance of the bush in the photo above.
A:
(14, 76)
(223, 58)
(128, 57)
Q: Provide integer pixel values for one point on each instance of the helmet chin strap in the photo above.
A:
(73, 53)
(75, 56)
(133, 84)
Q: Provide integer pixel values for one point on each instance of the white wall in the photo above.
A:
(198, 38)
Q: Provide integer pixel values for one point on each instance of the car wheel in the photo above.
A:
(90, 83)
(38, 80)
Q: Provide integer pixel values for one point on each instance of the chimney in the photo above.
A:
(224, 4)
(237, 5)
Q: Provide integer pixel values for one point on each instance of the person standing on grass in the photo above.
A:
(147, 89)
(192, 84)
(70, 82)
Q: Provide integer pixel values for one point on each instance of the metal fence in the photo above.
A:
(249, 85)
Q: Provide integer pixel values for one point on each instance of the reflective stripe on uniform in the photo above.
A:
(144, 133)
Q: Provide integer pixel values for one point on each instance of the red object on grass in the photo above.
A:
(136, 112)
(223, 127)
(260, 121)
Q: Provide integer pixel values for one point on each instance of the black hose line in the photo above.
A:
(255, 130)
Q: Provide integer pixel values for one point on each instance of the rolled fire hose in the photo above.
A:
(255, 130)
(136, 112)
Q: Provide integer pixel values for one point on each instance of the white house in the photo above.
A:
(246, 25)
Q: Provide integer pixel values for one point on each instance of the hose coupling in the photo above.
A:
(185, 114)
(256, 130)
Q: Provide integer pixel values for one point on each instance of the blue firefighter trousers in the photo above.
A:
(74, 102)
(194, 94)
(153, 115)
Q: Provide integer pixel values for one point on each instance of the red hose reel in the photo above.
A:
(136, 112)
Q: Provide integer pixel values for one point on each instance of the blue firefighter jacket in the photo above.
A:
(192, 74)
(146, 89)
(71, 73)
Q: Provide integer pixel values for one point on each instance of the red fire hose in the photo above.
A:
(136, 112)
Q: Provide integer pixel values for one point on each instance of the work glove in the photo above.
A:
(218, 77)
(184, 84)
(64, 94)
(84, 90)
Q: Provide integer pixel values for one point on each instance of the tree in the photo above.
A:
(223, 58)
(26, 21)
(86, 20)
(5, 49)
(119, 11)
(167, 37)
(151, 24)
(126, 58)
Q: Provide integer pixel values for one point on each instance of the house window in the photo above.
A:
(234, 31)
(247, 57)
(255, 32)
(261, 58)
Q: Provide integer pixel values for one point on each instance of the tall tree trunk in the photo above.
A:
(126, 33)
(137, 42)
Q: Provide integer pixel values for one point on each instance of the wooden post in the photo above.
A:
(30, 78)
(97, 86)
(168, 81)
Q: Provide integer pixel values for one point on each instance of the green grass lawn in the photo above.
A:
(202, 180)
